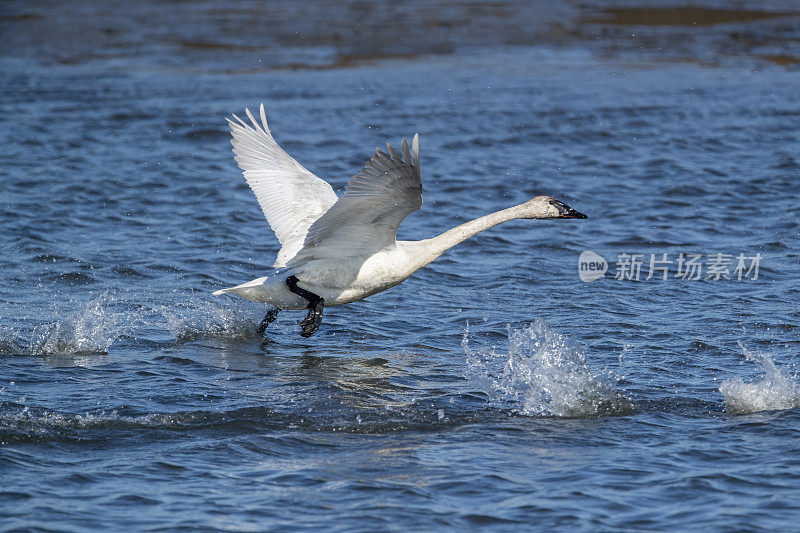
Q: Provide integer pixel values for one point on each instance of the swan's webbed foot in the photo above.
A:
(316, 303)
(272, 314)
(313, 319)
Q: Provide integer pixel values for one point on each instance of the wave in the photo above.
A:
(32, 424)
(21, 423)
(543, 374)
(777, 389)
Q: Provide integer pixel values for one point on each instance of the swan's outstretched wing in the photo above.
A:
(375, 202)
(290, 196)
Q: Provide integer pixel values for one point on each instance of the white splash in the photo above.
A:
(544, 375)
(9, 342)
(90, 329)
(777, 389)
(201, 318)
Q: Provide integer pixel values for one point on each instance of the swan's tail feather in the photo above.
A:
(252, 290)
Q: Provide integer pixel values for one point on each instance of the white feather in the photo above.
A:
(290, 196)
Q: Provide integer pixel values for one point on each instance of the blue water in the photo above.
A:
(492, 389)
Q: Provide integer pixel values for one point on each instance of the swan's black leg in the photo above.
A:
(272, 314)
(315, 305)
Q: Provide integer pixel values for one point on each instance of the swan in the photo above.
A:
(335, 251)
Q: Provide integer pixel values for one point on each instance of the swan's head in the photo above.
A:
(547, 207)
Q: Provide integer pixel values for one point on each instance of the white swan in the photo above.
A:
(339, 250)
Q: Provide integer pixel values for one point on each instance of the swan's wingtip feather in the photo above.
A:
(252, 119)
(242, 122)
(392, 151)
(415, 150)
(404, 149)
(221, 291)
(263, 117)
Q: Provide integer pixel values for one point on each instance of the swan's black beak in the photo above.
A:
(566, 211)
(573, 214)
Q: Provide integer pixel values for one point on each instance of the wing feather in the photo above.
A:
(290, 196)
(365, 219)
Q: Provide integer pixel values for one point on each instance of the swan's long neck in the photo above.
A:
(427, 250)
